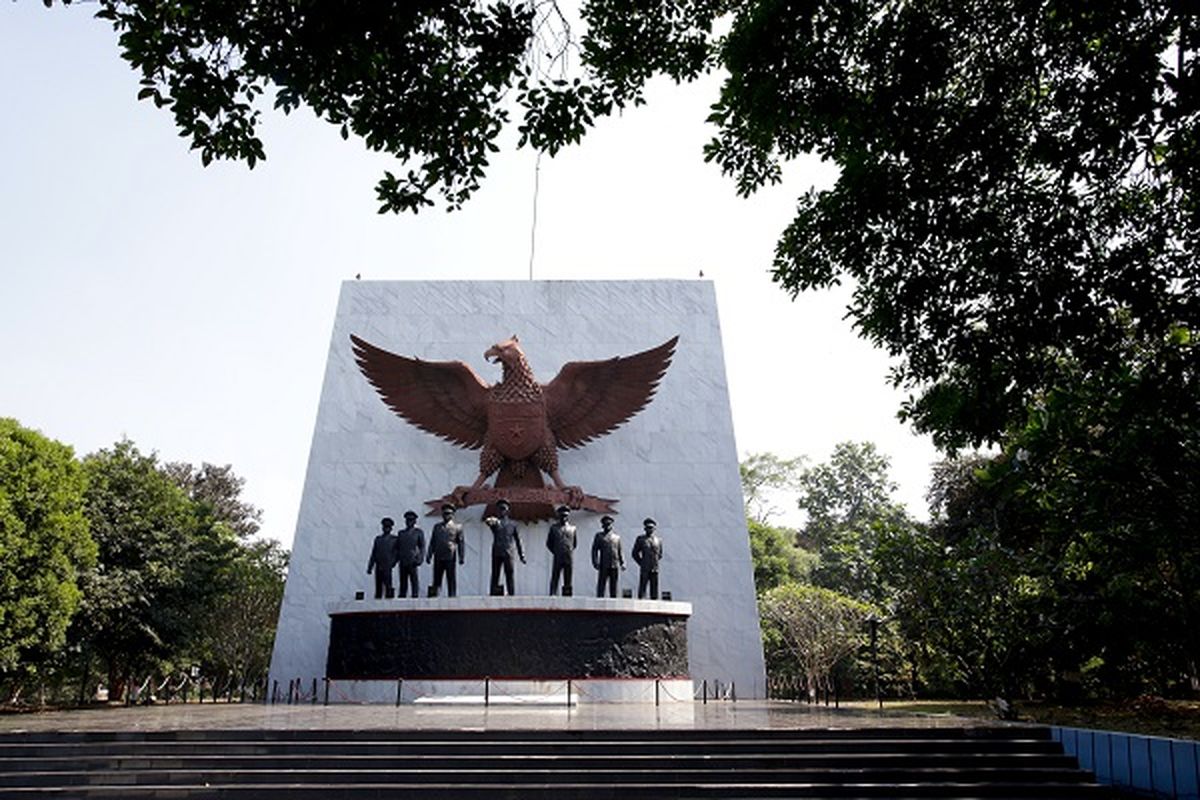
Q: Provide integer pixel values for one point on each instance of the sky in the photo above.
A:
(190, 308)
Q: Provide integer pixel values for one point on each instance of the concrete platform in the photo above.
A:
(724, 715)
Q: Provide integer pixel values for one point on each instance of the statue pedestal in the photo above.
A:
(519, 650)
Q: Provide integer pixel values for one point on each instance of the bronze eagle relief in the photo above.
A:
(518, 424)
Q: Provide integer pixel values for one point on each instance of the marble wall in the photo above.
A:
(675, 461)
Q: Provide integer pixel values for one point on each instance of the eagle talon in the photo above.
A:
(575, 496)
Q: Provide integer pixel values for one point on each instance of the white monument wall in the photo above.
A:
(675, 461)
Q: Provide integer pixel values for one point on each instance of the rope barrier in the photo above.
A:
(667, 691)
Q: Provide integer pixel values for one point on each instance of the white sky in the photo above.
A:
(190, 309)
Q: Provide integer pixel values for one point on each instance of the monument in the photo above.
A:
(655, 441)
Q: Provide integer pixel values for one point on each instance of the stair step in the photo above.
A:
(993, 762)
(579, 790)
(137, 760)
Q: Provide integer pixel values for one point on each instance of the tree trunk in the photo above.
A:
(117, 678)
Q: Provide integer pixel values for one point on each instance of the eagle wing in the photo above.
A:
(588, 399)
(445, 398)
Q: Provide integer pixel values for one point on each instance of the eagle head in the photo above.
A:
(507, 352)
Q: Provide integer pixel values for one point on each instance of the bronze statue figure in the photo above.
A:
(607, 558)
(410, 551)
(446, 550)
(517, 424)
(648, 552)
(383, 559)
(506, 543)
(560, 541)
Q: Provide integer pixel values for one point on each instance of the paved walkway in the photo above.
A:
(746, 714)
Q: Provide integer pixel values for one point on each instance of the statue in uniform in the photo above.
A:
(383, 559)
(648, 552)
(607, 558)
(506, 543)
(560, 541)
(446, 550)
(410, 551)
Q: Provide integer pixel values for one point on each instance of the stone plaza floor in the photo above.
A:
(724, 715)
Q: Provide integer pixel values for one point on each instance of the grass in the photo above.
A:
(1152, 716)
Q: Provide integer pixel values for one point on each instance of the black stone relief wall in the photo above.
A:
(475, 644)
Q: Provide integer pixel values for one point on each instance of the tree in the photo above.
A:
(1106, 464)
(1012, 174)
(848, 505)
(815, 628)
(158, 566)
(985, 609)
(764, 474)
(219, 490)
(44, 544)
(776, 558)
(239, 631)
(845, 492)
(426, 82)
(1018, 179)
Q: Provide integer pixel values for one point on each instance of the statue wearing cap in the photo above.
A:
(647, 552)
(607, 558)
(560, 541)
(506, 543)
(383, 559)
(446, 550)
(410, 551)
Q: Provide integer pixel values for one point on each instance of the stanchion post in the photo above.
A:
(274, 692)
(705, 692)
(399, 690)
(657, 682)
(487, 691)
(733, 691)
(327, 690)
(568, 692)
(314, 693)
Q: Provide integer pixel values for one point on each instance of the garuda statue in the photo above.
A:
(517, 424)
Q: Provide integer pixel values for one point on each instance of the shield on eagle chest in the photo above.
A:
(517, 430)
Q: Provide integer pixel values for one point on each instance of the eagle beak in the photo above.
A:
(491, 355)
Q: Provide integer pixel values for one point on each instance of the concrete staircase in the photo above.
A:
(994, 762)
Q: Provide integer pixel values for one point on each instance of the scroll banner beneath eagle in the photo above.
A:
(526, 503)
(518, 424)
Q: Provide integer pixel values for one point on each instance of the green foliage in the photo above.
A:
(1107, 464)
(217, 490)
(239, 629)
(765, 473)
(129, 562)
(1017, 177)
(848, 504)
(811, 630)
(160, 563)
(980, 613)
(44, 544)
(1011, 173)
(776, 558)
